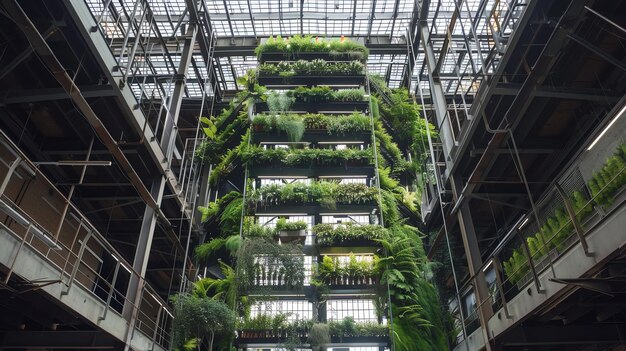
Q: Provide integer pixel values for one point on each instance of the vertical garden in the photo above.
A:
(312, 238)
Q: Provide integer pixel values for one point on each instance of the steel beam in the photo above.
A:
(598, 51)
(168, 144)
(553, 335)
(9, 97)
(58, 339)
(523, 100)
(168, 139)
(99, 48)
(437, 94)
(568, 93)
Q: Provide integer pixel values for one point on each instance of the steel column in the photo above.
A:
(474, 262)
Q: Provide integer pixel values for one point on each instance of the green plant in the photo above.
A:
(293, 127)
(314, 67)
(224, 289)
(260, 256)
(259, 231)
(334, 125)
(326, 234)
(320, 192)
(349, 95)
(283, 225)
(319, 336)
(199, 318)
(264, 322)
(313, 94)
(279, 102)
(298, 44)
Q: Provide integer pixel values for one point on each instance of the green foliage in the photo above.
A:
(260, 258)
(217, 206)
(386, 181)
(349, 328)
(348, 232)
(228, 163)
(218, 134)
(312, 68)
(317, 192)
(283, 225)
(325, 94)
(553, 234)
(332, 268)
(418, 319)
(333, 125)
(347, 95)
(292, 126)
(224, 290)
(204, 251)
(231, 216)
(201, 317)
(259, 231)
(319, 335)
(264, 322)
(279, 102)
(256, 155)
(299, 44)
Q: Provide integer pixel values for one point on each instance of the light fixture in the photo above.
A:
(489, 263)
(74, 163)
(523, 224)
(8, 209)
(617, 116)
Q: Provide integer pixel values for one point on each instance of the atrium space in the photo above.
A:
(313, 175)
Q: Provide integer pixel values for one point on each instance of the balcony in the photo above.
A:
(62, 255)
(572, 240)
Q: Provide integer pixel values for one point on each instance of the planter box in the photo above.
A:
(312, 135)
(334, 106)
(312, 208)
(356, 282)
(287, 236)
(313, 172)
(311, 80)
(383, 339)
(277, 56)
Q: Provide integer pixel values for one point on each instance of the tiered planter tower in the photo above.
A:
(346, 283)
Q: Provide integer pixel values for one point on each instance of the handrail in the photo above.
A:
(71, 264)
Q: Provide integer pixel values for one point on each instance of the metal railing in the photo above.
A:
(567, 212)
(74, 247)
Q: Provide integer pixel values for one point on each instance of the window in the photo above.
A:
(294, 309)
(337, 219)
(362, 310)
(282, 181)
(270, 272)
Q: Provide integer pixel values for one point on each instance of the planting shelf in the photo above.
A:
(311, 107)
(311, 80)
(313, 209)
(313, 136)
(315, 171)
(278, 56)
(353, 246)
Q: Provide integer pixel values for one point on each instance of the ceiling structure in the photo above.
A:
(467, 38)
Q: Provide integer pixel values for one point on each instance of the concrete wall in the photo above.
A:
(592, 160)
